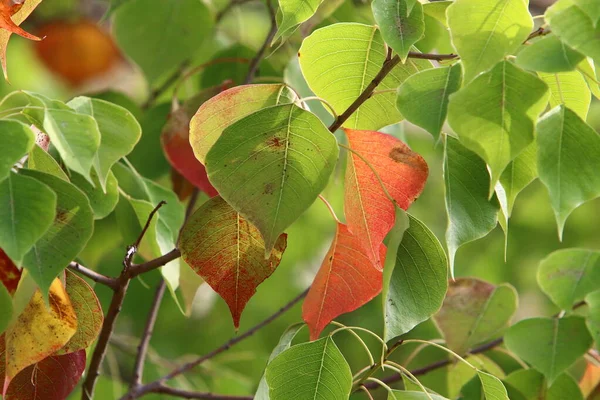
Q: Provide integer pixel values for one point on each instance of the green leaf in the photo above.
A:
(568, 275)
(549, 54)
(166, 33)
(418, 282)
(591, 8)
(470, 214)
(40, 160)
(574, 27)
(230, 106)
(401, 24)
(118, 128)
(340, 60)
(17, 140)
(570, 89)
(551, 345)
(475, 311)
(72, 227)
(493, 388)
(483, 32)
(315, 370)
(517, 176)
(27, 210)
(423, 97)
(6, 308)
(586, 67)
(285, 342)
(413, 395)
(571, 180)
(593, 319)
(530, 385)
(494, 115)
(102, 203)
(271, 165)
(292, 13)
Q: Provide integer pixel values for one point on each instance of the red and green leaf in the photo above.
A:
(228, 253)
(369, 213)
(347, 279)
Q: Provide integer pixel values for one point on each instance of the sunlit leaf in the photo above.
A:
(571, 180)
(67, 236)
(271, 165)
(293, 13)
(27, 210)
(346, 280)
(38, 331)
(549, 54)
(483, 32)
(40, 160)
(17, 140)
(568, 275)
(470, 214)
(340, 60)
(315, 370)
(494, 114)
(550, 345)
(413, 395)
(228, 253)
(493, 388)
(369, 212)
(400, 22)
(88, 311)
(475, 311)
(423, 97)
(570, 89)
(228, 107)
(517, 176)
(418, 282)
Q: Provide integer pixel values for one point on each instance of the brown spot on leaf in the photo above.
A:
(275, 142)
(268, 188)
(404, 155)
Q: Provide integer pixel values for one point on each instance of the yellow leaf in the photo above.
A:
(39, 332)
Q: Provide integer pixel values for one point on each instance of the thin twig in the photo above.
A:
(93, 275)
(155, 386)
(197, 395)
(138, 369)
(432, 56)
(132, 249)
(253, 69)
(137, 269)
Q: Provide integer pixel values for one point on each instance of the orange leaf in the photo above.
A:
(12, 14)
(39, 332)
(346, 280)
(53, 378)
(369, 213)
(228, 253)
(590, 382)
(9, 273)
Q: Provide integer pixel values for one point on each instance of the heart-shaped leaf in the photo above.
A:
(401, 23)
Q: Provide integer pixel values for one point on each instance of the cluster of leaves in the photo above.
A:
(515, 100)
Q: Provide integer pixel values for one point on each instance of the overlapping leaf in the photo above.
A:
(228, 107)
(573, 26)
(470, 214)
(38, 331)
(593, 319)
(571, 180)
(483, 32)
(413, 395)
(17, 140)
(315, 370)
(494, 114)
(292, 13)
(418, 282)
(530, 385)
(517, 176)
(228, 253)
(340, 60)
(369, 212)
(475, 311)
(40, 160)
(550, 55)
(347, 279)
(271, 165)
(103, 202)
(551, 345)
(493, 388)
(401, 23)
(570, 89)
(27, 211)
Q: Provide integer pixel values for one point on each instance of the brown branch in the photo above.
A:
(253, 69)
(541, 31)
(137, 269)
(197, 395)
(138, 369)
(114, 309)
(155, 387)
(431, 56)
(93, 275)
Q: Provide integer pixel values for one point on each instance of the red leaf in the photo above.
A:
(346, 280)
(228, 253)
(9, 273)
(369, 213)
(7, 9)
(590, 382)
(53, 378)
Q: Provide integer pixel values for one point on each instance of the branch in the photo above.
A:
(430, 56)
(137, 269)
(93, 275)
(156, 386)
(261, 53)
(197, 395)
(138, 369)
(132, 250)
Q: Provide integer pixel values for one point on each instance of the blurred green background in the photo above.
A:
(239, 33)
